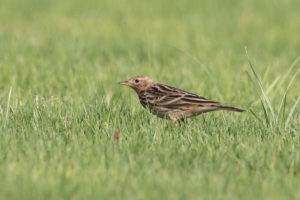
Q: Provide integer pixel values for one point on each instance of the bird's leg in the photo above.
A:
(181, 121)
(174, 120)
(176, 123)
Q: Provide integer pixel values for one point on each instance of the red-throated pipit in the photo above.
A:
(172, 103)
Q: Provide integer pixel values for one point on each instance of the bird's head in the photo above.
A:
(138, 83)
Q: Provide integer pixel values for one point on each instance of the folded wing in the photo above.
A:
(173, 98)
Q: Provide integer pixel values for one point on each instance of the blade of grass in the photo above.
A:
(8, 106)
(254, 88)
(266, 75)
(256, 117)
(285, 93)
(291, 113)
(266, 114)
(261, 87)
(288, 72)
(280, 81)
(283, 111)
(262, 103)
(269, 89)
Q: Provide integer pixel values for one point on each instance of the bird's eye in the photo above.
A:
(137, 80)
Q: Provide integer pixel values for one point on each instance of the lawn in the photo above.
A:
(61, 106)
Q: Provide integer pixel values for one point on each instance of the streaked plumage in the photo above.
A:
(169, 102)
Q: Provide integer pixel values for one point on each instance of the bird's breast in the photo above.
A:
(146, 101)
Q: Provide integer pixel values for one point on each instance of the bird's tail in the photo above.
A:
(231, 109)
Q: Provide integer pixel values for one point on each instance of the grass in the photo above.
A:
(69, 131)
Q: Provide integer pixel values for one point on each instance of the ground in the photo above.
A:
(69, 131)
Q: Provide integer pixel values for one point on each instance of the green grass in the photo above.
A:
(60, 104)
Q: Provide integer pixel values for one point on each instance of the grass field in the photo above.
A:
(60, 104)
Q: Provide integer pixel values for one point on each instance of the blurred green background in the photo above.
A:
(63, 59)
(42, 42)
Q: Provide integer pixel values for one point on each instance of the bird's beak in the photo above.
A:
(124, 83)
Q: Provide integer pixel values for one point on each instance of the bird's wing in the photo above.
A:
(167, 96)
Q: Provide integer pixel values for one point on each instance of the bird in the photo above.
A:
(172, 103)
